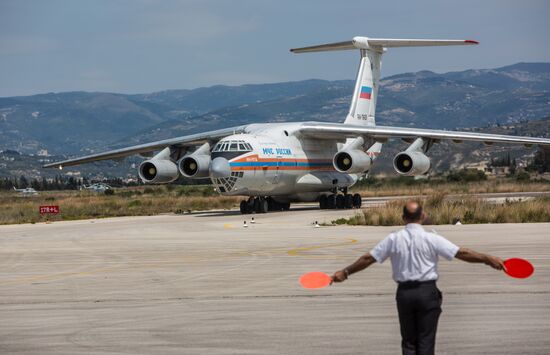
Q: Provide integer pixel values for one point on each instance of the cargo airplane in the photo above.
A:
(275, 164)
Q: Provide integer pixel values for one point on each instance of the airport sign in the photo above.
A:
(49, 210)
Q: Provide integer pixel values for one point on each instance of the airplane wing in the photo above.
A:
(179, 142)
(366, 42)
(383, 133)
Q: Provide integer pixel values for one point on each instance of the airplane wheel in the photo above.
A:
(331, 202)
(250, 205)
(264, 206)
(286, 206)
(323, 202)
(271, 204)
(348, 201)
(257, 205)
(244, 207)
(357, 201)
(340, 201)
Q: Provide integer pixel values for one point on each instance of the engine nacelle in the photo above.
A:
(194, 166)
(411, 163)
(352, 161)
(158, 171)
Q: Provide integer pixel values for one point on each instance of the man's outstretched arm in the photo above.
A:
(362, 263)
(471, 256)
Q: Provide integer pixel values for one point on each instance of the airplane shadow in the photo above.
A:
(222, 213)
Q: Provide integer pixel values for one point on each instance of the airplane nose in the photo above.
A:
(219, 168)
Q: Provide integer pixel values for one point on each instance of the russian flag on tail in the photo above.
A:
(366, 92)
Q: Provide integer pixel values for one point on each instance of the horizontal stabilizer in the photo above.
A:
(338, 46)
(390, 43)
(379, 43)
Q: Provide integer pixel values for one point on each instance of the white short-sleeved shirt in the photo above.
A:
(414, 253)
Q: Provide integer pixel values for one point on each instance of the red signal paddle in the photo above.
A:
(518, 268)
(315, 280)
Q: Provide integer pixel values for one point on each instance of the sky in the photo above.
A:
(142, 46)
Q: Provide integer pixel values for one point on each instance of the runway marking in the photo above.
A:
(298, 251)
(228, 225)
(166, 263)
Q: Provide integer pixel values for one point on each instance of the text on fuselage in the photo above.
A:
(276, 151)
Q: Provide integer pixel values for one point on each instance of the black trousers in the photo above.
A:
(419, 307)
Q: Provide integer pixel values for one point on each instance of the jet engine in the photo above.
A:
(352, 161)
(159, 169)
(412, 162)
(196, 165)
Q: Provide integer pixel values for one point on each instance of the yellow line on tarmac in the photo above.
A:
(298, 251)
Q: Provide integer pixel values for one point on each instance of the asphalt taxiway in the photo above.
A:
(203, 284)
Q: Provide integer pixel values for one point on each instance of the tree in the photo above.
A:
(44, 184)
(35, 184)
(23, 182)
(541, 161)
(513, 167)
(466, 175)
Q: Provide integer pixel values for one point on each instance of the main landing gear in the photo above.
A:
(262, 205)
(340, 201)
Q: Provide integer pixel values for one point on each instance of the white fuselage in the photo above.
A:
(27, 191)
(270, 161)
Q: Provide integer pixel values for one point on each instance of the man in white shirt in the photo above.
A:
(414, 255)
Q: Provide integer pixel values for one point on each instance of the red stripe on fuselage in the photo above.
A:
(256, 159)
(243, 168)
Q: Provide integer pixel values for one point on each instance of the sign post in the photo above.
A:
(46, 210)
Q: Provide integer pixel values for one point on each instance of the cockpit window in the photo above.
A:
(232, 146)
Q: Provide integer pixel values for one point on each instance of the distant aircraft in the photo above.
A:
(97, 187)
(274, 164)
(29, 191)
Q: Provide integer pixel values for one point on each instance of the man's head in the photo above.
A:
(412, 212)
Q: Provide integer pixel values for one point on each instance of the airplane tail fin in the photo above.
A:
(365, 94)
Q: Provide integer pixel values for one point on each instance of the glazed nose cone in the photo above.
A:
(219, 168)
